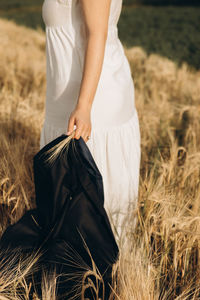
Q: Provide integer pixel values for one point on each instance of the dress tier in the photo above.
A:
(115, 137)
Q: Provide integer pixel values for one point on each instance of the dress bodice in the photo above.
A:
(66, 42)
(68, 12)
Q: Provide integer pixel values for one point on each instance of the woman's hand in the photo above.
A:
(81, 118)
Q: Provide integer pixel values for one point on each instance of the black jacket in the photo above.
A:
(69, 217)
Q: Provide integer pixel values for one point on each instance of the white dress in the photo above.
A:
(115, 136)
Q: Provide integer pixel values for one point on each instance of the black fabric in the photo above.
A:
(69, 217)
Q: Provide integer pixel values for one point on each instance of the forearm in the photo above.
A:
(96, 17)
(94, 56)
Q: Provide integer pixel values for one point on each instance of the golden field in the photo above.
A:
(163, 260)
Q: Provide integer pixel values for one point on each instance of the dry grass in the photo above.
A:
(162, 260)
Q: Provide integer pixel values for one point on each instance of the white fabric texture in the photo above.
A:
(115, 137)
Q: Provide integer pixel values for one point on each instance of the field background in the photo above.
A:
(162, 45)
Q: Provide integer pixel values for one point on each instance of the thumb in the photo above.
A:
(70, 125)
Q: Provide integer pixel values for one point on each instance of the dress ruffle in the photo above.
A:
(116, 151)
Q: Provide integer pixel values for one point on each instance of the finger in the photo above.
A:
(84, 135)
(78, 131)
(70, 125)
(87, 134)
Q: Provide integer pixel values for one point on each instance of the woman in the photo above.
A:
(90, 90)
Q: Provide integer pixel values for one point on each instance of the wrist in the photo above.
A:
(85, 107)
